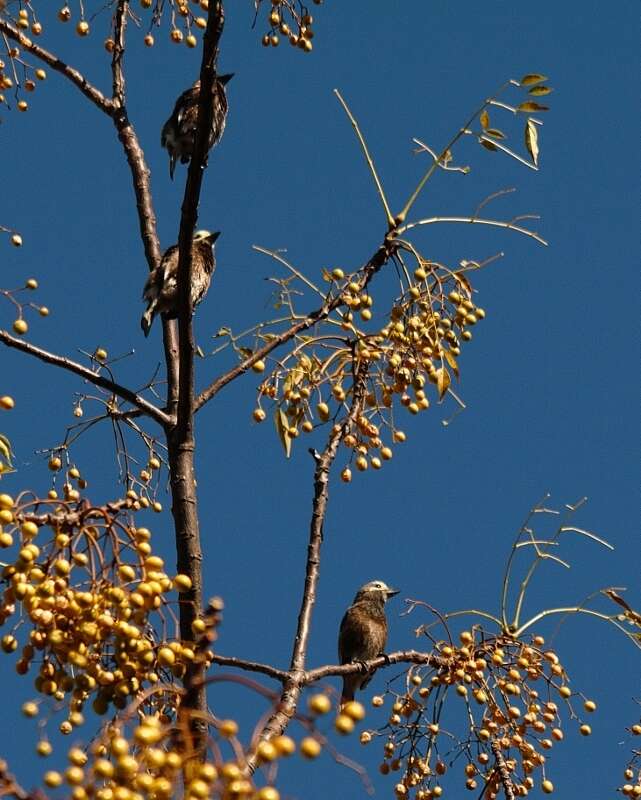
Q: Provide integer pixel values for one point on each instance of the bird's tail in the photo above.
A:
(147, 319)
(350, 683)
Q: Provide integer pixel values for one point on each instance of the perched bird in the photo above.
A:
(363, 633)
(178, 134)
(161, 289)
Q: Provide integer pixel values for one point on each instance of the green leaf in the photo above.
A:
(530, 105)
(484, 119)
(282, 428)
(532, 78)
(532, 141)
(539, 91)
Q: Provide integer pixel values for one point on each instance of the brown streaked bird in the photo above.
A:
(178, 134)
(160, 291)
(363, 633)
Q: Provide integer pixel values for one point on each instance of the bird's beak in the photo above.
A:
(213, 236)
(392, 592)
(224, 79)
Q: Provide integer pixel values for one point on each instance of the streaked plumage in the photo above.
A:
(363, 632)
(160, 291)
(179, 132)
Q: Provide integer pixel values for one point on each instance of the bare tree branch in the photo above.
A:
(380, 662)
(118, 75)
(504, 773)
(180, 439)
(144, 405)
(251, 666)
(286, 708)
(88, 89)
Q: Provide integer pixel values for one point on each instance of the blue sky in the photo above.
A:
(550, 380)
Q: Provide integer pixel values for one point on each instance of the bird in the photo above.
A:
(178, 134)
(363, 633)
(161, 289)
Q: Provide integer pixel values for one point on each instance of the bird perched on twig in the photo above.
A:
(363, 633)
(178, 134)
(161, 289)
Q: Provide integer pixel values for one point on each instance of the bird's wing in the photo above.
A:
(150, 292)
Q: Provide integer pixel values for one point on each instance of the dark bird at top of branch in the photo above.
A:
(363, 633)
(178, 134)
(161, 289)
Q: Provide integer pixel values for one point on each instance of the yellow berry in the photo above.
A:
(52, 779)
(228, 728)
(44, 748)
(585, 730)
(20, 326)
(285, 745)
(7, 402)
(319, 704)
(547, 786)
(344, 724)
(589, 705)
(82, 28)
(310, 747)
(354, 710)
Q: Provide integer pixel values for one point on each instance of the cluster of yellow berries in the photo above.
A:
(418, 346)
(286, 21)
(494, 678)
(145, 762)
(87, 593)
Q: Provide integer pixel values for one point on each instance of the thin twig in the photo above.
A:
(87, 88)
(144, 405)
(475, 221)
(367, 272)
(368, 158)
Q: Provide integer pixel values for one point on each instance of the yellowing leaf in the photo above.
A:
(5, 452)
(496, 133)
(532, 78)
(532, 141)
(488, 145)
(539, 91)
(442, 381)
(484, 119)
(282, 428)
(530, 105)
(449, 357)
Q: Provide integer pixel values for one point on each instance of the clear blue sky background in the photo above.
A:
(551, 379)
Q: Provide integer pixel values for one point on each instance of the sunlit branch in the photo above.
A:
(98, 380)
(476, 221)
(413, 197)
(575, 610)
(368, 158)
(88, 89)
